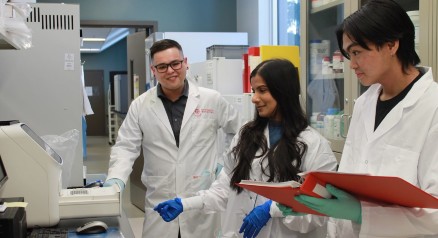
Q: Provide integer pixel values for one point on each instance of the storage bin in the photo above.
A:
(227, 51)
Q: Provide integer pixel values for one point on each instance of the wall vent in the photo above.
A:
(50, 21)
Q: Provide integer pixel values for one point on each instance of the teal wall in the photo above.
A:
(171, 15)
(112, 59)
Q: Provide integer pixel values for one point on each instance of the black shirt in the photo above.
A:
(384, 107)
(175, 110)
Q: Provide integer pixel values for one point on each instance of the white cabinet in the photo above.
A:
(221, 74)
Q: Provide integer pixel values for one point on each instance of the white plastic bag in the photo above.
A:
(65, 146)
(15, 27)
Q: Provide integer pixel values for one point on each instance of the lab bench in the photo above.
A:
(117, 227)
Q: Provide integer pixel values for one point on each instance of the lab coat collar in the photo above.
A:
(395, 115)
(419, 87)
(192, 103)
(185, 92)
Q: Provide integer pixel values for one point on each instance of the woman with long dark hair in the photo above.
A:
(274, 147)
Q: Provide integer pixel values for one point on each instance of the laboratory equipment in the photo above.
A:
(227, 51)
(3, 173)
(34, 171)
(13, 220)
(42, 85)
(90, 202)
(221, 74)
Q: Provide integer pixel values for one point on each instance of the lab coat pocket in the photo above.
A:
(201, 182)
(399, 162)
(158, 189)
(202, 131)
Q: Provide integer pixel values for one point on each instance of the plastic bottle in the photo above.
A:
(316, 3)
(326, 67)
(320, 123)
(325, 47)
(328, 123)
(314, 120)
(315, 57)
(338, 62)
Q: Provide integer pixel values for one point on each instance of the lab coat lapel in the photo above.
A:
(395, 115)
(192, 103)
(370, 113)
(160, 112)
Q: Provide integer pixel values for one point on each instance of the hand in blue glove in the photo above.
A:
(111, 182)
(169, 209)
(343, 206)
(255, 220)
(287, 211)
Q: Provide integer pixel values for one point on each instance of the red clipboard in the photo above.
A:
(377, 189)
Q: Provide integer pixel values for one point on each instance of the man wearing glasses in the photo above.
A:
(176, 124)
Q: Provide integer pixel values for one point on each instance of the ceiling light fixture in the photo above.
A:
(94, 39)
(90, 50)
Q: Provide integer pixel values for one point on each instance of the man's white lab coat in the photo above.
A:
(170, 171)
(404, 145)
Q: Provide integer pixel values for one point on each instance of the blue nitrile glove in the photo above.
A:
(343, 206)
(287, 211)
(112, 181)
(169, 209)
(255, 220)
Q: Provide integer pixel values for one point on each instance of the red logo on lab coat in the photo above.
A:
(199, 112)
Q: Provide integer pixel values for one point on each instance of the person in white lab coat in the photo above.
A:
(275, 146)
(175, 124)
(394, 126)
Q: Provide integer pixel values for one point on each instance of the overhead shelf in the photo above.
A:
(326, 6)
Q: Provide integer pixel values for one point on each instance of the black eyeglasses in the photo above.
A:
(175, 65)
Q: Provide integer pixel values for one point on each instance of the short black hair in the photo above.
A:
(164, 45)
(380, 22)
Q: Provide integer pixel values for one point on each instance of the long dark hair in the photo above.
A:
(380, 22)
(285, 157)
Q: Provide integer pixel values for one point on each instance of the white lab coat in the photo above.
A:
(220, 197)
(405, 145)
(169, 171)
